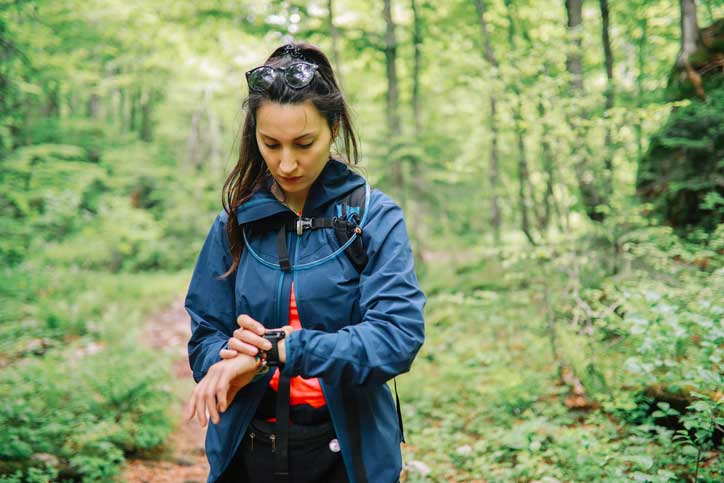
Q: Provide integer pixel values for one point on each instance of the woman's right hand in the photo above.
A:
(248, 338)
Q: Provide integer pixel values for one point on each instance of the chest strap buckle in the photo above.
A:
(303, 223)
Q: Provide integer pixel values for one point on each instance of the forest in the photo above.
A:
(560, 165)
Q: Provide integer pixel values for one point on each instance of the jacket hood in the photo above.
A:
(335, 181)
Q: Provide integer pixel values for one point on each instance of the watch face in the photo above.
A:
(276, 334)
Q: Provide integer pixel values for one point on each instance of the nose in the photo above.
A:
(287, 163)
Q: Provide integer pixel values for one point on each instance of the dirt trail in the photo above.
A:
(183, 459)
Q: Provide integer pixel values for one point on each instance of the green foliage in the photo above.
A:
(643, 313)
(681, 173)
(94, 406)
(84, 392)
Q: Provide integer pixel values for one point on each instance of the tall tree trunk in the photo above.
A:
(574, 62)
(549, 201)
(416, 42)
(147, 102)
(690, 42)
(133, 116)
(416, 214)
(689, 31)
(92, 109)
(588, 179)
(193, 142)
(334, 34)
(393, 117)
(122, 119)
(608, 57)
(524, 186)
(641, 63)
(52, 102)
(493, 177)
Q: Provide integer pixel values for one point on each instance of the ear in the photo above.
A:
(335, 130)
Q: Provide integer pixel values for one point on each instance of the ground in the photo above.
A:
(183, 460)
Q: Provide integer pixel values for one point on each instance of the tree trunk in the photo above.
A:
(122, 120)
(416, 42)
(588, 179)
(334, 34)
(690, 42)
(493, 177)
(133, 116)
(52, 103)
(689, 31)
(608, 57)
(147, 102)
(193, 142)
(393, 117)
(92, 110)
(641, 63)
(523, 178)
(574, 62)
(549, 201)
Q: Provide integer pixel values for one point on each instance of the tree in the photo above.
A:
(523, 179)
(493, 176)
(334, 34)
(393, 116)
(608, 63)
(591, 194)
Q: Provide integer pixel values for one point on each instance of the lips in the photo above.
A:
(291, 180)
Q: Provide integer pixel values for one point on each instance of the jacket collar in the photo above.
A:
(335, 181)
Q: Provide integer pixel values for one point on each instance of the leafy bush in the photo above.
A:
(85, 407)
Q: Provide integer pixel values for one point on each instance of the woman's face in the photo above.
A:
(294, 140)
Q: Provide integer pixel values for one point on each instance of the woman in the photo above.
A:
(275, 257)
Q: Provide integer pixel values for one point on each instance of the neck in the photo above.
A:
(296, 203)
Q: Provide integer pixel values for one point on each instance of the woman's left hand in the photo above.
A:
(219, 387)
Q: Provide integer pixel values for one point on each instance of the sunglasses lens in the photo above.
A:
(261, 78)
(299, 75)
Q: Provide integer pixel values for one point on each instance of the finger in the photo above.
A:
(199, 406)
(255, 340)
(210, 396)
(228, 353)
(221, 391)
(246, 322)
(288, 329)
(189, 409)
(243, 347)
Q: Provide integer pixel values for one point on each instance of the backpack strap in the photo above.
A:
(350, 214)
(351, 211)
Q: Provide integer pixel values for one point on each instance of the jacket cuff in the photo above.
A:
(211, 359)
(292, 352)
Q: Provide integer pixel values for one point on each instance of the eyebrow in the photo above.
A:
(298, 137)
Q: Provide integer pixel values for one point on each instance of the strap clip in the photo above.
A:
(303, 223)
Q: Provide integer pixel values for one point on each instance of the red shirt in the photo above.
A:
(301, 391)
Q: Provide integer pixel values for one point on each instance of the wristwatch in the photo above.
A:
(271, 357)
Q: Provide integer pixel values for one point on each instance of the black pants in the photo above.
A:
(313, 456)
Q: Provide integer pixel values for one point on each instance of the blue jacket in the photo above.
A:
(358, 329)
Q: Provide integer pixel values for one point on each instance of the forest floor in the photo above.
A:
(183, 458)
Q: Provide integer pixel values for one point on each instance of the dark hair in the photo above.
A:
(250, 170)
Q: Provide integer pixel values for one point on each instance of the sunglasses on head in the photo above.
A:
(296, 75)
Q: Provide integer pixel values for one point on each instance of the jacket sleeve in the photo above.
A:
(391, 332)
(210, 301)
